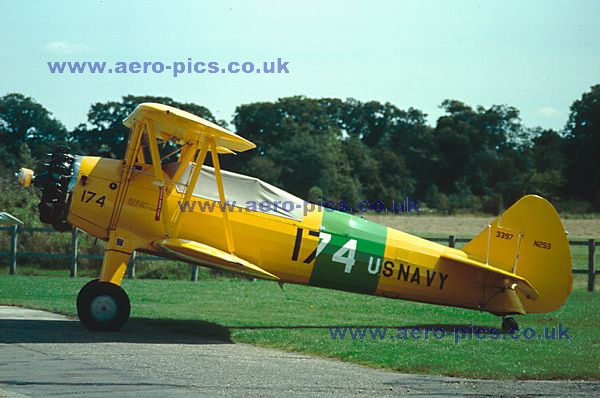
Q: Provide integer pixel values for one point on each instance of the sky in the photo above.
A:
(538, 56)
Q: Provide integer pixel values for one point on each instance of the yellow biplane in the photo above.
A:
(161, 199)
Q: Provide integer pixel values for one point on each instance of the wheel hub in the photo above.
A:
(104, 308)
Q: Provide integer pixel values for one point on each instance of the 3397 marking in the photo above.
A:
(88, 196)
(504, 235)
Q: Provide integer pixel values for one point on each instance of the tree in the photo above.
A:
(482, 148)
(548, 160)
(405, 132)
(307, 160)
(397, 182)
(304, 139)
(364, 167)
(27, 130)
(583, 141)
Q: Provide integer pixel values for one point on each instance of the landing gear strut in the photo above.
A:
(103, 306)
(509, 323)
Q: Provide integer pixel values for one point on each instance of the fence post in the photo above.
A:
(14, 233)
(74, 252)
(194, 273)
(131, 266)
(591, 264)
(451, 241)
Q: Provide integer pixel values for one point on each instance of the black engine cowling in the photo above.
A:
(53, 181)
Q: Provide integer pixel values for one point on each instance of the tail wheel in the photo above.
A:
(103, 306)
(509, 323)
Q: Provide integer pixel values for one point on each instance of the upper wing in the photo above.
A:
(195, 252)
(172, 124)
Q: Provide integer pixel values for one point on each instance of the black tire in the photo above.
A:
(509, 323)
(103, 306)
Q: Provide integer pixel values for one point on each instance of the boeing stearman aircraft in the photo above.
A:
(519, 264)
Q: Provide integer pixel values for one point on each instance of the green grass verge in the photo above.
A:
(259, 313)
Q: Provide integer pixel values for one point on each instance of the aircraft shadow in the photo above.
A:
(448, 328)
(167, 331)
(137, 330)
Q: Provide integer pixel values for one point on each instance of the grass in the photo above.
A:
(167, 269)
(259, 313)
(469, 225)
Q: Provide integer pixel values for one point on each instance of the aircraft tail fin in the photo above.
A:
(529, 240)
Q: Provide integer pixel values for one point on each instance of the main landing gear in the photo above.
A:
(103, 306)
(509, 323)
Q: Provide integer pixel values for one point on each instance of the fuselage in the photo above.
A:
(324, 248)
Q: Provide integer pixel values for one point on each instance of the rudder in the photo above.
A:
(529, 240)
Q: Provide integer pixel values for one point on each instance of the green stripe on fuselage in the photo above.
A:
(369, 239)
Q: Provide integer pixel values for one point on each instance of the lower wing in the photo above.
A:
(199, 253)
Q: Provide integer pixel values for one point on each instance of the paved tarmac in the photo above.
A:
(44, 354)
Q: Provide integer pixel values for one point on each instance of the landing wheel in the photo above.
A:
(509, 323)
(103, 306)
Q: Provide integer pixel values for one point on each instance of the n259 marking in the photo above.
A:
(542, 245)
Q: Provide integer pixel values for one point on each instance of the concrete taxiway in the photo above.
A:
(45, 354)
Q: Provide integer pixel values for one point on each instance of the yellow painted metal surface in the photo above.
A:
(529, 240)
(196, 252)
(174, 124)
(519, 264)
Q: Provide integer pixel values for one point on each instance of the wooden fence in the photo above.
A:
(74, 256)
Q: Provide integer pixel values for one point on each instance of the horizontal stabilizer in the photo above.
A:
(521, 283)
(195, 252)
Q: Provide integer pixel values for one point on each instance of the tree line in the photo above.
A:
(473, 158)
